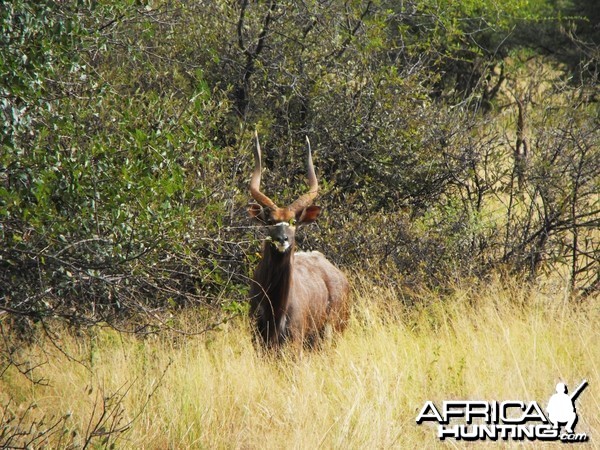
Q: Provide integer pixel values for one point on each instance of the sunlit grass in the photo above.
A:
(496, 342)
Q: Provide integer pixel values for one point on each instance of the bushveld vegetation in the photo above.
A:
(499, 341)
(457, 144)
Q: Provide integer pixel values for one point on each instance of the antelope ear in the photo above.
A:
(255, 211)
(308, 214)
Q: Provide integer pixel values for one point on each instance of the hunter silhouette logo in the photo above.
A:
(472, 420)
(561, 406)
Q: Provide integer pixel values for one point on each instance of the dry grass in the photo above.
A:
(499, 342)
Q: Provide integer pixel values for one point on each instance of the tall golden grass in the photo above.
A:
(500, 341)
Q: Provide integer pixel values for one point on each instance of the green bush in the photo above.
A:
(127, 133)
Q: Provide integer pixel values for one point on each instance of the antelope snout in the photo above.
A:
(280, 236)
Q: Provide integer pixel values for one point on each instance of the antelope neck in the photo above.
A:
(276, 280)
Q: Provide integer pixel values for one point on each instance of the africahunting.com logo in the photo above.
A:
(508, 420)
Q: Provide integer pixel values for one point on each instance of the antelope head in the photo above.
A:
(281, 222)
